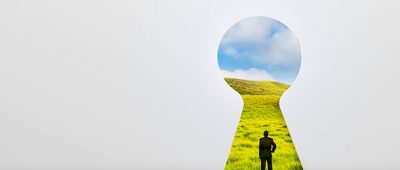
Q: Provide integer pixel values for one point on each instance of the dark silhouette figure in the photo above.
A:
(266, 148)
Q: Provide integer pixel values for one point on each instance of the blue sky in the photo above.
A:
(259, 48)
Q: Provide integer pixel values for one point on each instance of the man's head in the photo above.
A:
(266, 133)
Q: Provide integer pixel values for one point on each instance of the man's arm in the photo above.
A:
(273, 146)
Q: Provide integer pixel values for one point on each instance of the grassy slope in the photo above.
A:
(261, 112)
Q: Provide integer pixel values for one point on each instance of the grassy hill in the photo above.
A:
(246, 87)
(261, 112)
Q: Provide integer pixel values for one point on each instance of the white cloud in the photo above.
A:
(250, 74)
(265, 41)
(250, 30)
(231, 52)
(281, 49)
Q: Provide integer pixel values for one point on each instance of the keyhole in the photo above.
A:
(259, 57)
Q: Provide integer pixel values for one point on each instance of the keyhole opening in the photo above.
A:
(259, 57)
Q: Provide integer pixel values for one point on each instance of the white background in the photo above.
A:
(136, 84)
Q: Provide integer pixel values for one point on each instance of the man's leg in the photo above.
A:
(263, 163)
(269, 160)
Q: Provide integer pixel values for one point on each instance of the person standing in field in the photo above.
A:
(267, 146)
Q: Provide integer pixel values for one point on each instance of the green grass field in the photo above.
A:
(261, 112)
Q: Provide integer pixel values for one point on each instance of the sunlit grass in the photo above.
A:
(261, 112)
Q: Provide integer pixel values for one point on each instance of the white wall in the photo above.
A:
(113, 85)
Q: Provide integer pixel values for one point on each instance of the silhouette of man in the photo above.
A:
(266, 148)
